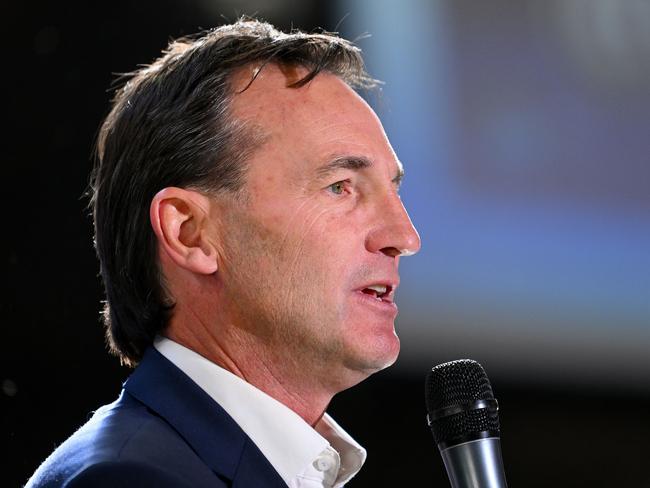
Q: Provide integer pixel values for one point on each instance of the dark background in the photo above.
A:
(58, 63)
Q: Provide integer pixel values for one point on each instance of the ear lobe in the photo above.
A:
(180, 220)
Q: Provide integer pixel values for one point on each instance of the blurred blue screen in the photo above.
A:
(524, 129)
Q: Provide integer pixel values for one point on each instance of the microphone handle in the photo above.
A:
(475, 464)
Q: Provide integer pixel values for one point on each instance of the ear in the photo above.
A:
(181, 221)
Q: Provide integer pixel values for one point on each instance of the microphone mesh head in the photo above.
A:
(456, 384)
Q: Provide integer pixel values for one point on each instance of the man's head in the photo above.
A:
(241, 181)
(309, 262)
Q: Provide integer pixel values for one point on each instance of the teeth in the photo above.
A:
(380, 289)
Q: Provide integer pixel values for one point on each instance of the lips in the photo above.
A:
(379, 290)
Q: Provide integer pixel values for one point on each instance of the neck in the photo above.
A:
(271, 370)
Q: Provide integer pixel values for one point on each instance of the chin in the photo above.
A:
(379, 354)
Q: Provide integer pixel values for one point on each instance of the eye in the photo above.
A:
(338, 188)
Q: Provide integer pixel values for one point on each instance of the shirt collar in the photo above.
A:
(271, 425)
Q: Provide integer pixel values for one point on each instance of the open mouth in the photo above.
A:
(379, 292)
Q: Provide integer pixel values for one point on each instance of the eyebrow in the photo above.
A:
(354, 163)
(397, 180)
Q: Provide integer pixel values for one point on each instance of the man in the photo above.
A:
(249, 229)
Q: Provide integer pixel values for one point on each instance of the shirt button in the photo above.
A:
(323, 463)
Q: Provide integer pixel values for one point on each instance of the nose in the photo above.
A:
(393, 233)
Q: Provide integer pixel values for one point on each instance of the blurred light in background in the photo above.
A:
(524, 127)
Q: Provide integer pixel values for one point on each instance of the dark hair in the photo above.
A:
(170, 126)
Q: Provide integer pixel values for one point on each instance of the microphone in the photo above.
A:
(464, 419)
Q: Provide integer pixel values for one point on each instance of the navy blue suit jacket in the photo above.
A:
(163, 431)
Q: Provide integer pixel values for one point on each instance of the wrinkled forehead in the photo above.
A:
(305, 127)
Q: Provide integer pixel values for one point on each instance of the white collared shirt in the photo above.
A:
(324, 456)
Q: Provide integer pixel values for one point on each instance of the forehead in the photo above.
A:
(270, 95)
(325, 114)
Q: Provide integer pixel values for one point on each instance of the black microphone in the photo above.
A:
(464, 419)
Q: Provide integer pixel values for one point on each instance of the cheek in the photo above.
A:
(319, 234)
(307, 251)
(322, 251)
(251, 251)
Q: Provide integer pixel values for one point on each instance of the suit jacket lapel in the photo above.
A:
(201, 421)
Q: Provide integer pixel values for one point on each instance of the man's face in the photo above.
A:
(309, 260)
